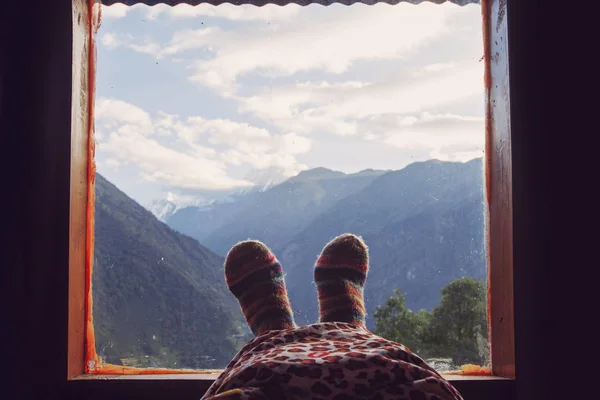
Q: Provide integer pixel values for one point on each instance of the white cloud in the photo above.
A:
(307, 42)
(338, 108)
(192, 39)
(285, 163)
(292, 143)
(114, 11)
(436, 47)
(412, 93)
(136, 138)
(140, 45)
(245, 12)
(109, 40)
(446, 136)
(185, 132)
(113, 163)
(269, 12)
(437, 67)
(302, 107)
(180, 41)
(311, 42)
(113, 112)
(251, 145)
(166, 165)
(359, 33)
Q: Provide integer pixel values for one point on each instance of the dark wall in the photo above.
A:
(35, 61)
(530, 256)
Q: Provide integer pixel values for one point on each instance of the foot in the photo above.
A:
(340, 275)
(255, 278)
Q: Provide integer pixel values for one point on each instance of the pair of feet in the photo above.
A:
(255, 277)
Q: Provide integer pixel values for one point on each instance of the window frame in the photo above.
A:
(183, 386)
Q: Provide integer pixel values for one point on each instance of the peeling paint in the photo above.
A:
(501, 13)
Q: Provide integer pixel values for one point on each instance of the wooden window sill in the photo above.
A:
(212, 377)
(193, 386)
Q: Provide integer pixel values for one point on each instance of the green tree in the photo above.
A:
(458, 327)
(455, 329)
(394, 321)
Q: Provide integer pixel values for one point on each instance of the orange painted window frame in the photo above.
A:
(82, 372)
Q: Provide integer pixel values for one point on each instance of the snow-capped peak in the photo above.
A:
(171, 197)
(263, 179)
(165, 207)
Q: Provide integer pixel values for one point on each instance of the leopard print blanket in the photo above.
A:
(333, 361)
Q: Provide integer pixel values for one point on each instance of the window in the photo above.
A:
(498, 179)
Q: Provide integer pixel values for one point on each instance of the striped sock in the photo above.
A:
(340, 274)
(255, 278)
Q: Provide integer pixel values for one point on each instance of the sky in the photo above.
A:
(192, 101)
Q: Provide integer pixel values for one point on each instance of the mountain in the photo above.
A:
(162, 208)
(423, 225)
(273, 216)
(165, 207)
(159, 297)
(200, 222)
(263, 179)
(318, 174)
